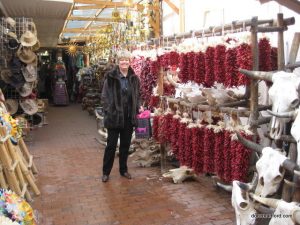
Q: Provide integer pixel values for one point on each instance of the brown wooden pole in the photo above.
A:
(280, 52)
(24, 169)
(287, 190)
(2, 178)
(15, 158)
(27, 155)
(160, 91)
(253, 85)
(17, 147)
(9, 170)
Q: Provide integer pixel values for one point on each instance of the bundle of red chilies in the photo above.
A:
(202, 148)
(216, 64)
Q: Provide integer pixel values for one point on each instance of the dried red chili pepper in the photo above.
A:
(244, 61)
(208, 150)
(219, 62)
(209, 67)
(264, 49)
(199, 70)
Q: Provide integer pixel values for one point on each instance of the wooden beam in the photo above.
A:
(65, 24)
(294, 48)
(291, 4)
(172, 6)
(82, 29)
(182, 16)
(96, 15)
(98, 4)
(79, 31)
(81, 18)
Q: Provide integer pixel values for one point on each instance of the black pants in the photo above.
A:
(110, 150)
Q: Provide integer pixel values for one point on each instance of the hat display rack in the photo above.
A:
(18, 62)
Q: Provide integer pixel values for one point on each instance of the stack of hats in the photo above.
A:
(21, 69)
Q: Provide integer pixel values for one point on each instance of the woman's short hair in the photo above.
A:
(123, 54)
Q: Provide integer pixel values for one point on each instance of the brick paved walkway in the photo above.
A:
(69, 161)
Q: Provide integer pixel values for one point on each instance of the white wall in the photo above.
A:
(220, 12)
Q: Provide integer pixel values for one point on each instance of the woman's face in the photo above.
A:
(124, 63)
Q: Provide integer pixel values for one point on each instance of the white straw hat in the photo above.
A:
(29, 106)
(11, 106)
(30, 73)
(26, 55)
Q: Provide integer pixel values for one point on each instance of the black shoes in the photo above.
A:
(127, 175)
(104, 178)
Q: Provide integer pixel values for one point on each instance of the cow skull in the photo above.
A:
(270, 171)
(295, 129)
(271, 167)
(243, 207)
(282, 101)
(284, 95)
(180, 174)
(286, 213)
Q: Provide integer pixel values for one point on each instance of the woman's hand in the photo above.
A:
(141, 109)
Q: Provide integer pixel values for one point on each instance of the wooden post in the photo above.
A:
(280, 60)
(27, 155)
(253, 85)
(182, 16)
(160, 90)
(9, 169)
(288, 190)
(19, 172)
(2, 179)
(24, 169)
(294, 48)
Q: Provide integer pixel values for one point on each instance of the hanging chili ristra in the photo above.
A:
(181, 138)
(208, 150)
(197, 146)
(190, 57)
(183, 66)
(165, 135)
(209, 67)
(264, 49)
(199, 67)
(154, 68)
(240, 166)
(154, 101)
(188, 159)
(227, 156)
(218, 150)
(231, 68)
(148, 82)
(169, 90)
(219, 63)
(244, 61)
(174, 58)
(174, 132)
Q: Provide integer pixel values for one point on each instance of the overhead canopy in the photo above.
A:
(291, 4)
(49, 16)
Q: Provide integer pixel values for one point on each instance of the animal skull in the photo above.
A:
(282, 101)
(243, 207)
(295, 129)
(180, 174)
(284, 95)
(286, 213)
(270, 171)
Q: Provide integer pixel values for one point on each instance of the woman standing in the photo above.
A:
(120, 101)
